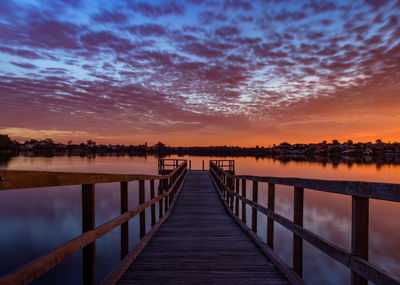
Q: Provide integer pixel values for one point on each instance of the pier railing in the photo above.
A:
(169, 186)
(167, 165)
(225, 164)
(362, 270)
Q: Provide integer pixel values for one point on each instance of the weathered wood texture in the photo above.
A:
(297, 240)
(201, 244)
(357, 260)
(359, 234)
(124, 226)
(18, 179)
(371, 190)
(270, 222)
(88, 224)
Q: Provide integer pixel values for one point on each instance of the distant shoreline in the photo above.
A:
(385, 160)
(335, 152)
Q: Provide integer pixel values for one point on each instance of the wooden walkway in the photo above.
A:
(201, 244)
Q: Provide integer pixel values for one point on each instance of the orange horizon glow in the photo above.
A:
(248, 141)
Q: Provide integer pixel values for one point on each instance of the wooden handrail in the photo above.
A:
(372, 190)
(18, 179)
(356, 261)
(86, 240)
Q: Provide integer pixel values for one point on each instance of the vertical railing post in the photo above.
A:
(359, 234)
(166, 188)
(227, 185)
(124, 226)
(236, 199)
(171, 195)
(88, 223)
(298, 241)
(226, 192)
(190, 165)
(142, 215)
(270, 222)
(254, 210)
(223, 183)
(231, 186)
(221, 175)
(160, 202)
(203, 165)
(243, 202)
(226, 182)
(153, 207)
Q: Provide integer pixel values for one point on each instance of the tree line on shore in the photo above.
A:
(324, 149)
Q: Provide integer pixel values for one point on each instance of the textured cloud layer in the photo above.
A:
(201, 72)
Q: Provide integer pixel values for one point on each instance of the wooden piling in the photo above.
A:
(124, 226)
(88, 224)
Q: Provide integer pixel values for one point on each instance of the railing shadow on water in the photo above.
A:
(169, 187)
(362, 271)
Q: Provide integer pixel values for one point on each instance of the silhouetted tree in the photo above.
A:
(48, 141)
(335, 142)
(284, 144)
(69, 147)
(160, 145)
(5, 142)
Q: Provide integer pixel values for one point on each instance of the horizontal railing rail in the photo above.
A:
(169, 187)
(372, 190)
(18, 179)
(362, 270)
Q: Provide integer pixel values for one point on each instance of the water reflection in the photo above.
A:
(35, 221)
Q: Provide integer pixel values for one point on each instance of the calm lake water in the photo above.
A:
(35, 221)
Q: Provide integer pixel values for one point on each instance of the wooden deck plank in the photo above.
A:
(201, 244)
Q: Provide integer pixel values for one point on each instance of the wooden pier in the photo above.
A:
(201, 244)
(199, 234)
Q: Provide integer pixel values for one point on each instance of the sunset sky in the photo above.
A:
(200, 72)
